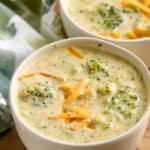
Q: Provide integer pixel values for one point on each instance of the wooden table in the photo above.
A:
(11, 141)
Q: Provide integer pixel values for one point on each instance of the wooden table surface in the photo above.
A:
(11, 141)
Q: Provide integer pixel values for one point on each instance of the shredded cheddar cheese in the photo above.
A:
(115, 35)
(74, 114)
(52, 76)
(78, 125)
(27, 75)
(81, 124)
(136, 4)
(146, 2)
(131, 35)
(66, 89)
(142, 33)
(49, 75)
(138, 33)
(75, 53)
(78, 114)
(76, 92)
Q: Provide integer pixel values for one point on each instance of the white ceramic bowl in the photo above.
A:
(140, 47)
(126, 141)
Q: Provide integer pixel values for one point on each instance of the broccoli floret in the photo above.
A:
(95, 66)
(111, 16)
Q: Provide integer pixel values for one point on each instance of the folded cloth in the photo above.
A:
(5, 115)
(17, 40)
(29, 10)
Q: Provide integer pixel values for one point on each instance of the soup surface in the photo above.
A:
(80, 95)
(120, 19)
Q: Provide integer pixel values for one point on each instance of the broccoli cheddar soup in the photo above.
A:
(79, 94)
(120, 19)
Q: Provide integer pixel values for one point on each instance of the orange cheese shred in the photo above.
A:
(138, 33)
(146, 2)
(75, 114)
(49, 75)
(79, 125)
(131, 35)
(75, 53)
(81, 112)
(115, 35)
(142, 33)
(78, 115)
(76, 92)
(27, 75)
(66, 89)
(137, 4)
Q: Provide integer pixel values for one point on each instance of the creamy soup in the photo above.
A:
(80, 95)
(120, 19)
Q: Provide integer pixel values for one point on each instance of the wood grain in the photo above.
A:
(11, 141)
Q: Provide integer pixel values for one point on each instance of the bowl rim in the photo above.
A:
(17, 117)
(82, 29)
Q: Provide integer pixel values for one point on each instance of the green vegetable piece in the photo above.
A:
(107, 125)
(127, 114)
(132, 104)
(107, 89)
(95, 66)
(111, 107)
(96, 120)
(40, 90)
(104, 90)
(74, 71)
(129, 10)
(111, 16)
(103, 8)
(124, 102)
(148, 27)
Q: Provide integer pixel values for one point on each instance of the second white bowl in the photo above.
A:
(140, 47)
